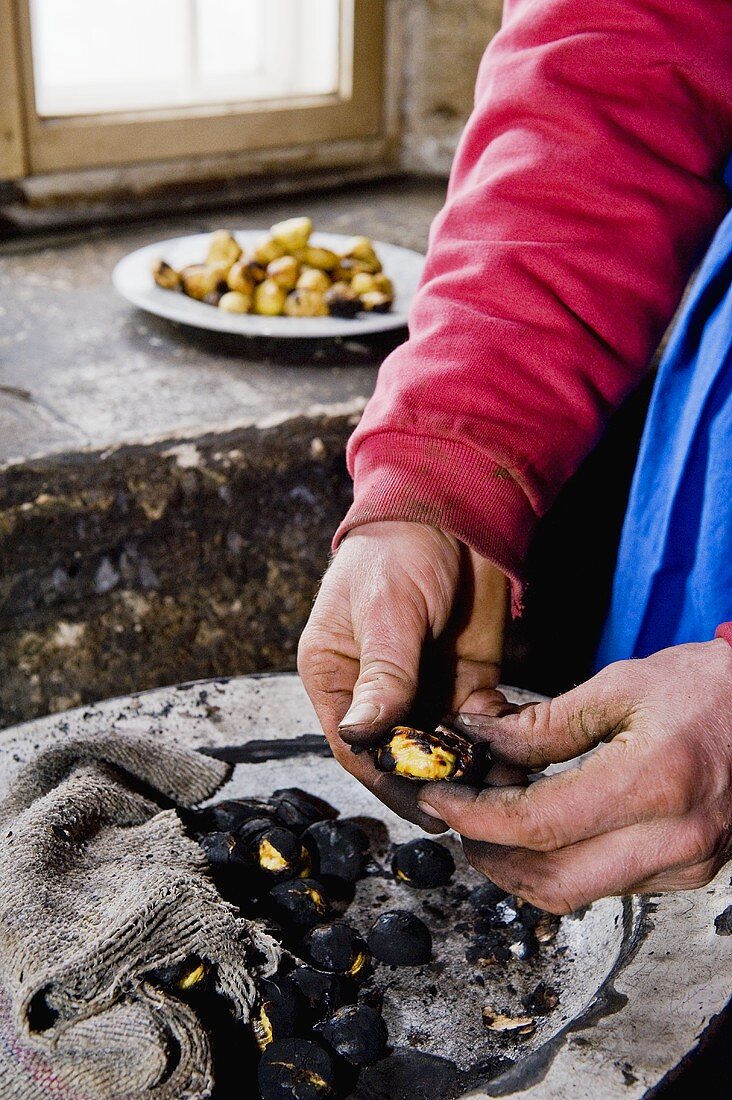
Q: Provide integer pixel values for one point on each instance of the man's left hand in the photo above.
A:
(649, 811)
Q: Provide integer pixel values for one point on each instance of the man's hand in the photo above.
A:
(649, 811)
(404, 611)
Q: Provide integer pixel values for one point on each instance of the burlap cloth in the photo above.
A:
(99, 885)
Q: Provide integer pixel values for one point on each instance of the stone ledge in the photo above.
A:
(142, 565)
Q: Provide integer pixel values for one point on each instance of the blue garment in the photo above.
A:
(673, 579)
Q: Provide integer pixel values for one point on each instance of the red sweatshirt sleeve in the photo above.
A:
(586, 186)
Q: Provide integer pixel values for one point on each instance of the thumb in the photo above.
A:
(391, 650)
(559, 729)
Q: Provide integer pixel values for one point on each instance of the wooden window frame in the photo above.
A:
(31, 145)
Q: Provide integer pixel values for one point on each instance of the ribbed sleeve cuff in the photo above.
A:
(724, 630)
(423, 479)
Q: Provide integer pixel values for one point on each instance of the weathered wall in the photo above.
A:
(437, 46)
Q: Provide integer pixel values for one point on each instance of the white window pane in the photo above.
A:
(92, 57)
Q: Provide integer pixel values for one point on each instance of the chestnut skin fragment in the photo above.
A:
(357, 1033)
(423, 864)
(431, 756)
(296, 1069)
(399, 938)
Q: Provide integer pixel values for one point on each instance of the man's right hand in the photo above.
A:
(397, 597)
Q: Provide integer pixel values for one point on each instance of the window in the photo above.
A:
(124, 81)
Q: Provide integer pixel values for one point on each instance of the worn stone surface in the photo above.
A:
(441, 44)
(167, 496)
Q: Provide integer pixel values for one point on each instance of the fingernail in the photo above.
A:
(470, 720)
(429, 810)
(362, 714)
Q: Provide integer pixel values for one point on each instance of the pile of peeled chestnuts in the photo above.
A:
(284, 275)
(291, 862)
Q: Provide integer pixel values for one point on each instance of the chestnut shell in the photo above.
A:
(431, 756)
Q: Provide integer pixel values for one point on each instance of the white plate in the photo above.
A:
(133, 279)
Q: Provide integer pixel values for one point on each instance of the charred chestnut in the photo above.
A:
(428, 757)
(399, 938)
(279, 852)
(301, 902)
(374, 301)
(340, 849)
(324, 993)
(276, 1012)
(182, 977)
(337, 948)
(223, 849)
(357, 1033)
(486, 896)
(423, 864)
(296, 1069)
(297, 809)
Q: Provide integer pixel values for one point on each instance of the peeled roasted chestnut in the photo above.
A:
(268, 250)
(223, 248)
(337, 948)
(357, 1033)
(296, 1069)
(321, 258)
(359, 248)
(399, 938)
(235, 301)
(323, 992)
(340, 849)
(284, 272)
(423, 864)
(241, 278)
(269, 299)
(342, 301)
(297, 809)
(429, 757)
(313, 279)
(301, 902)
(292, 234)
(279, 852)
(202, 279)
(305, 303)
(166, 276)
(363, 282)
(276, 1013)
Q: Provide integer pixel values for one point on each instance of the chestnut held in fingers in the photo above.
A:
(337, 948)
(296, 1069)
(423, 864)
(340, 849)
(357, 1033)
(399, 938)
(429, 757)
